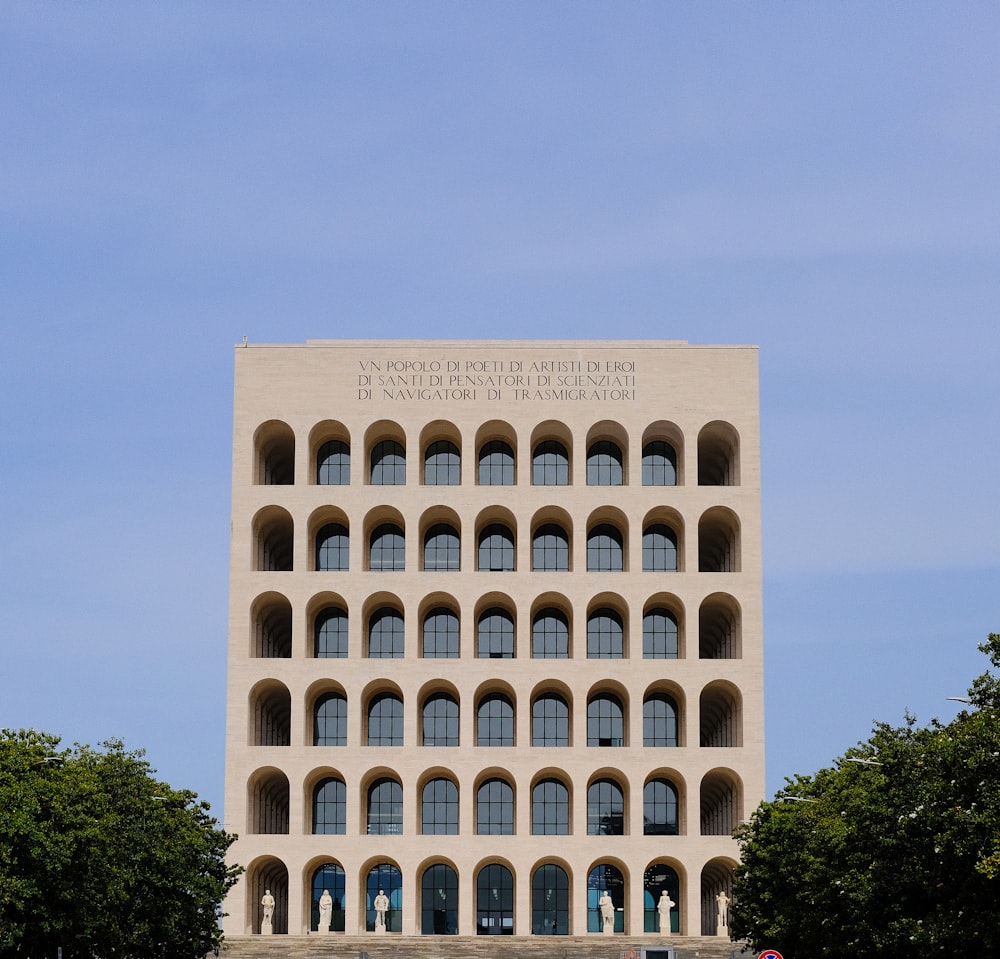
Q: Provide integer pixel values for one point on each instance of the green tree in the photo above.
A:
(101, 859)
(892, 852)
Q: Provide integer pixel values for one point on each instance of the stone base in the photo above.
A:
(380, 930)
(723, 932)
(265, 929)
(608, 930)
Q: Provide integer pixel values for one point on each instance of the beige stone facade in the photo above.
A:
(495, 637)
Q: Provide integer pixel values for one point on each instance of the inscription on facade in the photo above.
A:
(481, 378)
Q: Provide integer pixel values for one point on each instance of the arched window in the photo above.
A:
(659, 464)
(659, 720)
(550, 464)
(550, 721)
(439, 901)
(330, 720)
(495, 808)
(605, 878)
(660, 878)
(496, 548)
(550, 808)
(385, 634)
(495, 634)
(332, 550)
(333, 464)
(330, 807)
(605, 809)
(439, 808)
(605, 721)
(659, 634)
(385, 807)
(659, 549)
(388, 464)
(388, 548)
(441, 638)
(271, 637)
(329, 878)
(495, 721)
(442, 551)
(385, 878)
(659, 808)
(442, 464)
(494, 901)
(330, 634)
(550, 548)
(385, 720)
(550, 901)
(604, 549)
(440, 721)
(550, 634)
(604, 464)
(605, 636)
(496, 464)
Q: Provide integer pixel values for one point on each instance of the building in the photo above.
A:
(495, 638)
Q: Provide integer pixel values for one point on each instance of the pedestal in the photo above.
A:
(265, 929)
(380, 930)
(608, 930)
(723, 932)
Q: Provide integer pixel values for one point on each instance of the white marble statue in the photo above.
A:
(325, 911)
(663, 907)
(267, 901)
(607, 908)
(722, 901)
(381, 906)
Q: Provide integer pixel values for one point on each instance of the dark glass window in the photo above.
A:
(385, 720)
(604, 464)
(605, 721)
(605, 636)
(441, 548)
(439, 808)
(496, 464)
(495, 721)
(495, 635)
(386, 878)
(329, 878)
(659, 635)
(441, 639)
(657, 879)
(605, 878)
(550, 808)
(605, 809)
(388, 548)
(659, 549)
(330, 634)
(385, 807)
(550, 721)
(496, 548)
(333, 464)
(659, 721)
(659, 808)
(330, 720)
(494, 901)
(439, 901)
(604, 549)
(388, 464)
(440, 721)
(385, 634)
(550, 634)
(442, 464)
(550, 901)
(550, 464)
(330, 807)
(332, 547)
(659, 464)
(550, 548)
(495, 808)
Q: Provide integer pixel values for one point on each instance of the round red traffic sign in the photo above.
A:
(769, 954)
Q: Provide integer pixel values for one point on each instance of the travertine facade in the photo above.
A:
(495, 633)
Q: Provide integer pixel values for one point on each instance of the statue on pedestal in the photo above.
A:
(607, 908)
(663, 907)
(722, 900)
(325, 911)
(267, 901)
(381, 906)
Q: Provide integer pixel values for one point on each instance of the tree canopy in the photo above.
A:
(100, 859)
(894, 851)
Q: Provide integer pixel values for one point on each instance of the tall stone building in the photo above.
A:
(495, 640)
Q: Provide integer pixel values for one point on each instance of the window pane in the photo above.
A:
(440, 726)
(659, 635)
(659, 549)
(550, 901)
(495, 809)
(439, 808)
(333, 464)
(441, 639)
(605, 726)
(495, 721)
(330, 637)
(605, 809)
(441, 548)
(659, 721)
(496, 548)
(659, 464)
(439, 901)
(385, 635)
(550, 721)
(332, 547)
(605, 636)
(659, 808)
(604, 549)
(550, 635)
(385, 721)
(550, 809)
(550, 548)
(385, 808)
(550, 465)
(496, 464)
(604, 464)
(330, 808)
(388, 464)
(388, 548)
(495, 635)
(442, 465)
(330, 721)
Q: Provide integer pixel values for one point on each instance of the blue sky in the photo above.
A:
(818, 179)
